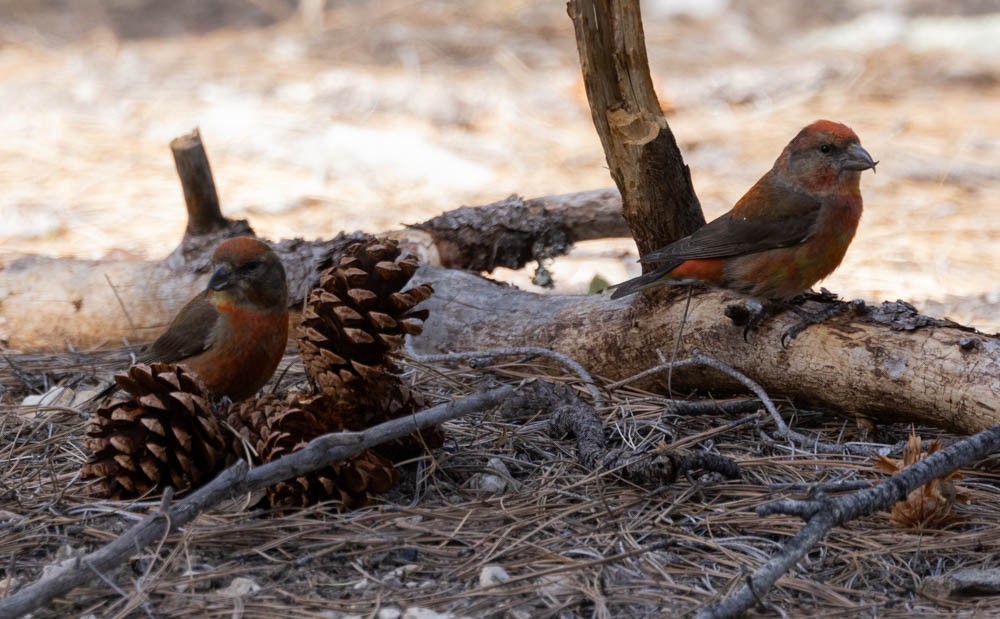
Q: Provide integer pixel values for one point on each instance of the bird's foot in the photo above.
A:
(748, 314)
(834, 307)
(221, 406)
(823, 296)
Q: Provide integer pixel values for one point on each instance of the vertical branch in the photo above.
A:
(206, 225)
(658, 199)
(204, 212)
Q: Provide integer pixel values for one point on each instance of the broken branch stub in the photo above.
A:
(658, 199)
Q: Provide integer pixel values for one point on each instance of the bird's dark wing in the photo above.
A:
(190, 333)
(643, 281)
(772, 218)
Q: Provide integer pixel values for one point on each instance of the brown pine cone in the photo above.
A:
(352, 483)
(270, 428)
(358, 316)
(354, 322)
(165, 434)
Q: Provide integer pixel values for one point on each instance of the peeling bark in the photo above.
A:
(658, 199)
(512, 232)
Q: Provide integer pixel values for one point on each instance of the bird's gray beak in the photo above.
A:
(857, 159)
(222, 278)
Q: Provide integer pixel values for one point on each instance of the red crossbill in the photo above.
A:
(789, 231)
(233, 334)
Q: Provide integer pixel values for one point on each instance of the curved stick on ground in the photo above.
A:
(783, 430)
(699, 358)
(486, 357)
(822, 514)
(232, 482)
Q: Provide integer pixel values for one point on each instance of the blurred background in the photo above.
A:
(365, 114)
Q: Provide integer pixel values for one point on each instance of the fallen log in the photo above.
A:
(55, 303)
(886, 362)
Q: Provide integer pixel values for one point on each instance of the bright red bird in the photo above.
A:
(789, 231)
(233, 334)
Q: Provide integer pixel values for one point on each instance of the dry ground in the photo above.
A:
(380, 113)
(503, 496)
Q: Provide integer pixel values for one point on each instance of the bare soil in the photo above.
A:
(377, 113)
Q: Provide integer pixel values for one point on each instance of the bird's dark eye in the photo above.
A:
(250, 266)
(826, 149)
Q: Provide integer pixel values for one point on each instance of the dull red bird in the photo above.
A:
(788, 232)
(232, 334)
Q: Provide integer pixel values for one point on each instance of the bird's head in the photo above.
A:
(824, 157)
(247, 272)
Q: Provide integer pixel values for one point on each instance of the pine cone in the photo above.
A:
(354, 322)
(357, 317)
(270, 428)
(164, 434)
(352, 483)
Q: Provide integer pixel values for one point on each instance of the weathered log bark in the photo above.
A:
(887, 363)
(658, 199)
(49, 304)
(511, 232)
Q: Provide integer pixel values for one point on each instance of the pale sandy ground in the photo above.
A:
(372, 114)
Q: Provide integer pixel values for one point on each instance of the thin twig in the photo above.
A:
(699, 358)
(822, 514)
(235, 481)
(486, 356)
(121, 304)
(656, 369)
(783, 430)
(677, 341)
(735, 406)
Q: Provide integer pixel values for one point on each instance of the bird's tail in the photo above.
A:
(647, 280)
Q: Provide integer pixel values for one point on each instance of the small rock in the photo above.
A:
(66, 556)
(56, 396)
(497, 482)
(389, 612)
(496, 464)
(417, 612)
(8, 585)
(494, 484)
(240, 587)
(492, 575)
(553, 588)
